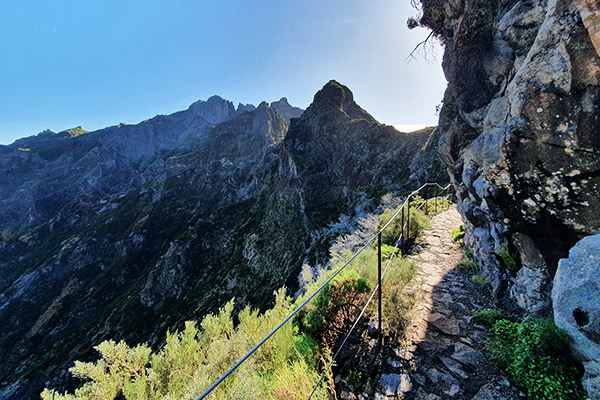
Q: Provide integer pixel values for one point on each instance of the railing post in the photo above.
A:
(379, 287)
(408, 220)
(402, 234)
(436, 200)
(448, 197)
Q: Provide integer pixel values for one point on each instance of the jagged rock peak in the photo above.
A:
(267, 121)
(281, 102)
(214, 110)
(46, 132)
(244, 107)
(336, 97)
(286, 110)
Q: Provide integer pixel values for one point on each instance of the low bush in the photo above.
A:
(387, 251)
(356, 378)
(400, 272)
(429, 206)
(488, 316)
(480, 280)
(190, 361)
(509, 260)
(458, 233)
(335, 310)
(535, 356)
(468, 263)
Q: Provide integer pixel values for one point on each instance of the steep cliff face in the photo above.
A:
(520, 132)
(519, 135)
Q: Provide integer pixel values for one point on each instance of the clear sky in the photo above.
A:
(65, 63)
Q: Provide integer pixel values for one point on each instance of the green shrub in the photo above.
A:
(190, 361)
(397, 301)
(387, 251)
(392, 233)
(509, 260)
(488, 316)
(307, 348)
(355, 378)
(468, 263)
(418, 223)
(334, 311)
(480, 280)
(428, 205)
(535, 356)
(458, 233)
(400, 272)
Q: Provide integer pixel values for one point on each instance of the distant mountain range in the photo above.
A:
(130, 230)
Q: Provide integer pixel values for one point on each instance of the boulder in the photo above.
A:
(530, 289)
(395, 384)
(576, 301)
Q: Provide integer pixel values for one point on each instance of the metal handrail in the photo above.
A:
(268, 336)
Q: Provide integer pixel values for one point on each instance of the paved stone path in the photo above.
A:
(442, 356)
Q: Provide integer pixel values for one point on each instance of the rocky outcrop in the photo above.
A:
(576, 301)
(244, 107)
(286, 110)
(214, 110)
(341, 151)
(519, 133)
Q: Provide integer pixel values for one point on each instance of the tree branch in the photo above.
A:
(411, 56)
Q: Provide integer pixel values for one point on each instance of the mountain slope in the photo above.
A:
(165, 221)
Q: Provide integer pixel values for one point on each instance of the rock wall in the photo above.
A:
(519, 133)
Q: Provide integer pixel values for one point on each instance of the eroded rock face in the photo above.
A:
(519, 132)
(576, 301)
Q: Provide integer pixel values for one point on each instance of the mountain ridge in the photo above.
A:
(122, 241)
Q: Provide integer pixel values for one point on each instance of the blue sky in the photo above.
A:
(66, 63)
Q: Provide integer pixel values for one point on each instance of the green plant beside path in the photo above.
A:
(535, 355)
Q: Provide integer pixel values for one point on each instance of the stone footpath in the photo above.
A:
(442, 356)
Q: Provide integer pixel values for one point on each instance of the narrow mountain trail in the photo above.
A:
(442, 356)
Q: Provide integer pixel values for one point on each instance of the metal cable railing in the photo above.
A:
(405, 204)
(377, 288)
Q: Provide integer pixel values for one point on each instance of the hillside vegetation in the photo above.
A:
(286, 367)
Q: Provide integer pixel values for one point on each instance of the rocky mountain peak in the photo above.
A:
(286, 110)
(46, 132)
(215, 110)
(281, 102)
(244, 107)
(335, 97)
(268, 121)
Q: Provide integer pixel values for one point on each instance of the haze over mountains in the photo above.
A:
(128, 231)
